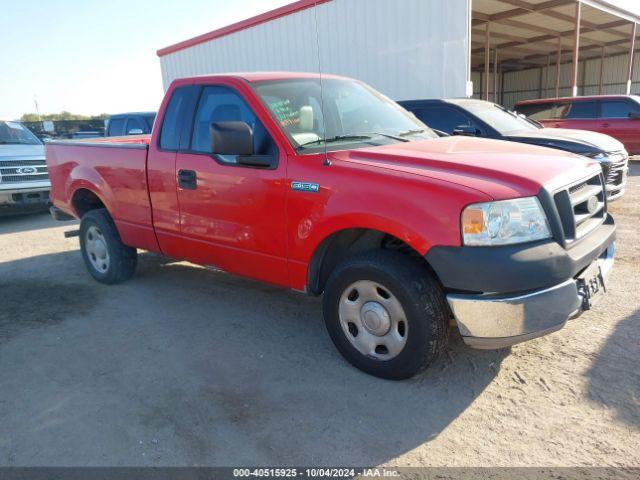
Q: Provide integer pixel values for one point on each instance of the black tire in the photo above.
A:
(420, 296)
(122, 259)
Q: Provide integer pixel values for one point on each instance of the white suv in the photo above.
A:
(24, 183)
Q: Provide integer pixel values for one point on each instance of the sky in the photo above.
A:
(99, 56)
(92, 57)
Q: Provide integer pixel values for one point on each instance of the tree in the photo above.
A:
(64, 115)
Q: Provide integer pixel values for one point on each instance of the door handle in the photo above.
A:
(187, 179)
(605, 125)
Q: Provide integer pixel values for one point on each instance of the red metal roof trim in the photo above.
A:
(242, 25)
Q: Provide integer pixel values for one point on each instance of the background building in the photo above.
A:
(503, 50)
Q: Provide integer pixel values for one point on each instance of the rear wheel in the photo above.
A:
(106, 257)
(386, 314)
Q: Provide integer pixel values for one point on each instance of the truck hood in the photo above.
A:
(577, 141)
(22, 151)
(496, 168)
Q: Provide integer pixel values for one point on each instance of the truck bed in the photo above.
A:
(114, 170)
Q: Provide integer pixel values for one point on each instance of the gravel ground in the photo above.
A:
(186, 366)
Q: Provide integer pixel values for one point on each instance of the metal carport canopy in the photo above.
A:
(522, 34)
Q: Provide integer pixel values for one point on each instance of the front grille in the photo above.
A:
(23, 178)
(616, 174)
(20, 170)
(582, 207)
(11, 163)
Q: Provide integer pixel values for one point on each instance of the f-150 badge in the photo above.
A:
(305, 187)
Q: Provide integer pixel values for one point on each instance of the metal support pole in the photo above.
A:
(469, 86)
(558, 66)
(630, 67)
(495, 76)
(601, 71)
(576, 50)
(487, 39)
(501, 86)
(546, 77)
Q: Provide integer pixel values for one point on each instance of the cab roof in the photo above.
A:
(263, 76)
(576, 99)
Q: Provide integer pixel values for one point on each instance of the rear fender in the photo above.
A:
(89, 179)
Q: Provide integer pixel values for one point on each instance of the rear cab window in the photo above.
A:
(175, 133)
(116, 127)
(133, 125)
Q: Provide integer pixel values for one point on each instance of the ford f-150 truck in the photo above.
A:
(24, 184)
(323, 185)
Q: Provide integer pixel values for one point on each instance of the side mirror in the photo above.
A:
(231, 138)
(634, 115)
(466, 131)
(135, 131)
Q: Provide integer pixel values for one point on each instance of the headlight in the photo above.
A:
(504, 222)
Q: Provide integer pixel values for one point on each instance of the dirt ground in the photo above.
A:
(186, 366)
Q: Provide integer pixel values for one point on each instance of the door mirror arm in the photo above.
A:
(256, 161)
(466, 131)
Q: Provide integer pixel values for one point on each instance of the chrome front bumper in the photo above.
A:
(497, 321)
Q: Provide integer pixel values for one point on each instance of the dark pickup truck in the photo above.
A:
(478, 118)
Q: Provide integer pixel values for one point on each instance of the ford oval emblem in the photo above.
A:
(592, 204)
(26, 170)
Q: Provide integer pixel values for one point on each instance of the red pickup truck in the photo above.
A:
(323, 185)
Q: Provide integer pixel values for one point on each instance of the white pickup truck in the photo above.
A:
(24, 182)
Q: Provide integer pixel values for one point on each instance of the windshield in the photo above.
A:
(14, 133)
(503, 120)
(353, 114)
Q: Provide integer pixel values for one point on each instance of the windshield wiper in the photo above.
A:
(411, 132)
(394, 137)
(337, 138)
(355, 136)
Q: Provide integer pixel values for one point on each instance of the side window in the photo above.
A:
(543, 111)
(176, 122)
(616, 109)
(222, 104)
(579, 110)
(134, 124)
(442, 118)
(116, 127)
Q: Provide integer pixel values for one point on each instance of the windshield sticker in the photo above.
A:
(285, 113)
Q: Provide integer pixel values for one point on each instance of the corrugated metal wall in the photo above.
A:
(277, 45)
(406, 48)
(529, 84)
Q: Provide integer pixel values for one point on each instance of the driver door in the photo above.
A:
(232, 216)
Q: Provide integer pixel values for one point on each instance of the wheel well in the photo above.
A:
(337, 247)
(84, 200)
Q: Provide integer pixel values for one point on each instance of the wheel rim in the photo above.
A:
(373, 320)
(96, 248)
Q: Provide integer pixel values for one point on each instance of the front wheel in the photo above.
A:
(105, 256)
(386, 314)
